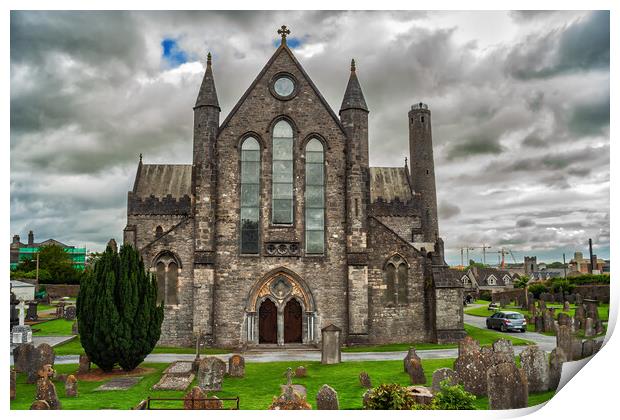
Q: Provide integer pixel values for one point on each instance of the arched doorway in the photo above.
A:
(292, 322)
(268, 322)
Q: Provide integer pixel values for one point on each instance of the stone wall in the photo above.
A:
(599, 292)
(56, 291)
(395, 323)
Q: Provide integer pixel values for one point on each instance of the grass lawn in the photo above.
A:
(54, 327)
(73, 347)
(483, 336)
(603, 310)
(256, 390)
(44, 307)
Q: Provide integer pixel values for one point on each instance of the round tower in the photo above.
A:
(423, 168)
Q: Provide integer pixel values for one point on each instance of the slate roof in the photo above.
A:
(353, 95)
(482, 276)
(389, 184)
(207, 95)
(163, 180)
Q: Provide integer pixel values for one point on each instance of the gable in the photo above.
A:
(258, 96)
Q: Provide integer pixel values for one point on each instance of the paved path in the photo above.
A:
(51, 340)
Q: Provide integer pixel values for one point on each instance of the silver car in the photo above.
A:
(505, 321)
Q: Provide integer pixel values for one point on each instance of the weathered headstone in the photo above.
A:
(441, 375)
(564, 319)
(301, 372)
(548, 324)
(40, 405)
(236, 366)
(327, 398)
(46, 390)
(539, 323)
(71, 386)
(589, 328)
(365, 380)
(566, 306)
(29, 359)
(536, 368)
(577, 348)
(193, 399)
(556, 359)
(31, 312)
(70, 313)
(13, 382)
(290, 400)
(211, 373)
(564, 340)
(330, 347)
(587, 348)
(421, 394)
(598, 327)
(174, 382)
(84, 364)
(416, 372)
(503, 352)
(506, 387)
(470, 367)
(578, 299)
(580, 313)
(213, 403)
(122, 383)
(591, 306)
(410, 354)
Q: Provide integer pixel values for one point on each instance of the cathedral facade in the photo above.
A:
(280, 227)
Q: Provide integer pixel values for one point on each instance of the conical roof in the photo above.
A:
(207, 96)
(353, 96)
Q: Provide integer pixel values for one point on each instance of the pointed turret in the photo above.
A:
(207, 96)
(353, 96)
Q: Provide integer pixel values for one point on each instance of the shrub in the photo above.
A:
(120, 321)
(453, 397)
(389, 397)
(561, 285)
(485, 295)
(537, 289)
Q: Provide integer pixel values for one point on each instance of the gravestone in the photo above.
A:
(327, 398)
(598, 327)
(539, 323)
(84, 364)
(470, 367)
(566, 306)
(13, 379)
(213, 403)
(578, 299)
(299, 389)
(70, 313)
(211, 371)
(29, 359)
(193, 399)
(564, 340)
(556, 359)
(301, 372)
(421, 394)
(587, 348)
(46, 390)
(534, 364)
(564, 319)
(119, 384)
(62, 377)
(236, 366)
(330, 347)
(591, 306)
(441, 375)
(597, 346)
(290, 400)
(31, 312)
(71, 386)
(176, 377)
(577, 348)
(580, 313)
(506, 387)
(21, 333)
(40, 405)
(548, 323)
(503, 351)
(410, 354)
(365, 380)
(532, 309)
(416, 372)
(589, 328)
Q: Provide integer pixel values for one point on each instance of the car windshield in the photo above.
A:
(514, 316)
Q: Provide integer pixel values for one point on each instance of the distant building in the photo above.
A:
(22, 290)
(529, 263)
(22, 251)
(475, 279)
(582, 265)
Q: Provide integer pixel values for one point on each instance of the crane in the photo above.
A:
(468, 248)
(503, 252)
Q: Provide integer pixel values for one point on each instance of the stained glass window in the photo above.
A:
(396, 275)
(250, 195)
(282, 174)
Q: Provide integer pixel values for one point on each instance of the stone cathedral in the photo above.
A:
(279, 227)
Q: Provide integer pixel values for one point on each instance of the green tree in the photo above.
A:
(56, 261)
(522, 282)
(537, 289)
(119, 319)
(453, 397)
(390, 397)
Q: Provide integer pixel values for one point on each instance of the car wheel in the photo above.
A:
(502, 328)
(489, 325)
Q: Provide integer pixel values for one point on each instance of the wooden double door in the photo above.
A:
(291, 323)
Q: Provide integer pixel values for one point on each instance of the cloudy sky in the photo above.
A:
(520, 111)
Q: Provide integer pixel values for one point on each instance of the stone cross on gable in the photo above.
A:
(22, 312)
(284, 31)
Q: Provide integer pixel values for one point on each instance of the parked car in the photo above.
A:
(505, 321)
(493, 306)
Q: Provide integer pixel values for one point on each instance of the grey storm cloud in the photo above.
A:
(520, 118)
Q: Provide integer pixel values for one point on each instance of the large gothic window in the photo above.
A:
(315, 198)
(395, 275)
(250, 195)
(282, 174)
(167, 274)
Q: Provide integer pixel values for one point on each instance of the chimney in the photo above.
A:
(592, 262)
(15, 239)
(30, 239)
